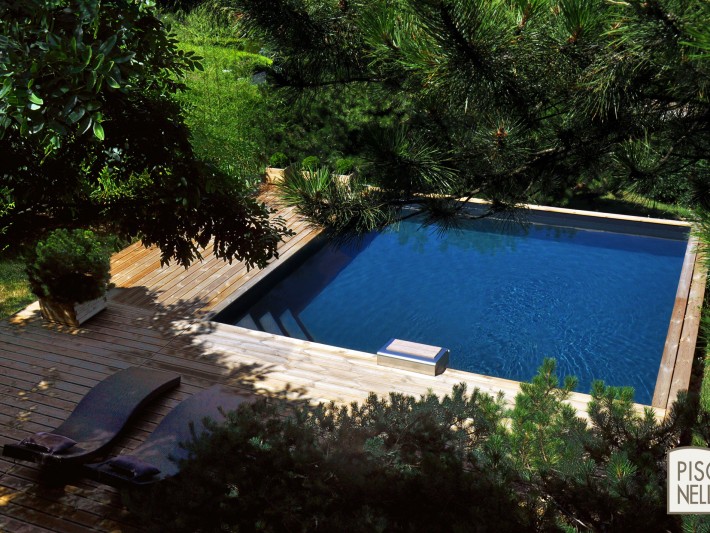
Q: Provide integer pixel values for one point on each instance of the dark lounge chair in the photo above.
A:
(159, 456)
(97, 420)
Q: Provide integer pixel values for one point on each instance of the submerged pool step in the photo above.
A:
(293, 327)
(269, 324)
(248, 322)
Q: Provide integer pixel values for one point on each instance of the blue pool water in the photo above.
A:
(500, 296)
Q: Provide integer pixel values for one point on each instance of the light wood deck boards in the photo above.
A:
(679, 350)
(154, 319)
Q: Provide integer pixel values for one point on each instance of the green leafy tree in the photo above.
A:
(459, 463)
(513, 101)
(91, 135)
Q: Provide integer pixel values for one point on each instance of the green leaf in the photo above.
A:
(112, 82)
(6, 87)
(99, 61)
(76, 115)
(124, 59)
(98, 131)
(85, 124)
(35, 99)
(37, 127)
(107, 45)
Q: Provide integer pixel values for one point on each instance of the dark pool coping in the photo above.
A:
(679, 349)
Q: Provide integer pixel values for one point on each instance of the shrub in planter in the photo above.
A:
(67, 268)
(346, 165)
(278, 160)
(276, 170)
(311, 162)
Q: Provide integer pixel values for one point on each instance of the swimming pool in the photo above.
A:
(499, 295)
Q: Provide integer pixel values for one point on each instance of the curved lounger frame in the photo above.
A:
(100, 416)
(162, 450)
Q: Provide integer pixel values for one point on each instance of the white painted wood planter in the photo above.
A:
(71, 314)
(274, 175)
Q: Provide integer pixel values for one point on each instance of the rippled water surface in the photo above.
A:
(501, 296)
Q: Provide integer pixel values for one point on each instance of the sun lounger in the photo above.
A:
(97, 420)
(159, 456)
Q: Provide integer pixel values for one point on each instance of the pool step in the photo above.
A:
(286, 325)
(269, 324)
(248, 322)
(293, 327)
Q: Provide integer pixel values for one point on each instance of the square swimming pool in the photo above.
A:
(593, 293)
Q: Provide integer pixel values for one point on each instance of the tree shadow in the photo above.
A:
(51, 367)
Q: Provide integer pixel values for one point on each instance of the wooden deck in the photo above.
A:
(155, 318)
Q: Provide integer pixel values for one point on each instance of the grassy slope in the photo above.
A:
(225, 111)
(629, 204)
(14, 290)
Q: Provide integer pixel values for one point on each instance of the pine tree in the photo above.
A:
(514, 101)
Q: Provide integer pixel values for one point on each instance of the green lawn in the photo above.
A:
(225, 110)
(226, 113)
(629, 204)
(14, 291)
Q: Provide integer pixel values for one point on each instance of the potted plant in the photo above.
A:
(277, 167)
(310, 165)
(344, 169)
(69, 272)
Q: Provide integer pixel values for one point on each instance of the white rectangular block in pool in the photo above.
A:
(413, 356)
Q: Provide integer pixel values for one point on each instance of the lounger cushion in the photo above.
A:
(133, 467)
(49, 442)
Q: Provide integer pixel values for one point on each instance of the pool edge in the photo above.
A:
(679, 373)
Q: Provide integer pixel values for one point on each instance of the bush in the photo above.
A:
(345, 165)
(429, 464)
(69, 267)
(278, 160)
(311, 162)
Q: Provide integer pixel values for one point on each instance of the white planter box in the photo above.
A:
(274, 175)
(71, 315)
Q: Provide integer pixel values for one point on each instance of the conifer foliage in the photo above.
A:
(464, 462)
(513, 100)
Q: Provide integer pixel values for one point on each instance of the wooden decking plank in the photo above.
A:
(95, 342)
(51, 516)
(84, 337)
(65, 359)
(160, 276)
(9, 524)
(180, 279)
(218, 285)
(129, 272)
(661, 391)
(691, 326)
